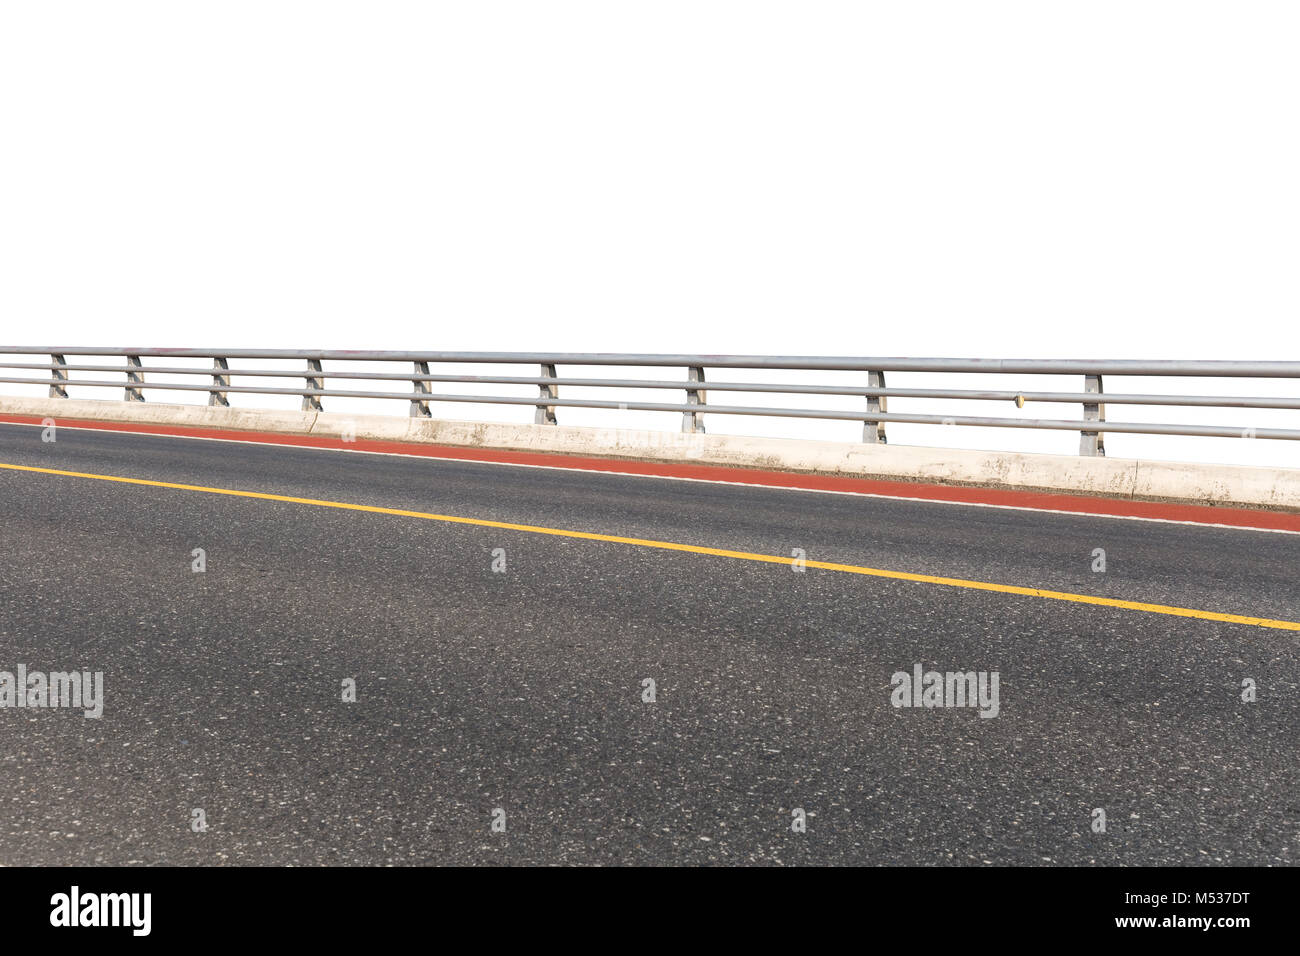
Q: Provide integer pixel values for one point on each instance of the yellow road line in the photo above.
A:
(696, 549)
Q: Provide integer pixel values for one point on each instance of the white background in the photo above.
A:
(997, 179)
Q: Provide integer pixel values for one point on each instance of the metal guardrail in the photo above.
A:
(1092, 426)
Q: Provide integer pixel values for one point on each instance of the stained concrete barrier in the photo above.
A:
(1240, 485)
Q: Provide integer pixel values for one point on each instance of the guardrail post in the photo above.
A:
(545, 414)
(420, 409)
(694, 421)
(1093, 444)
(311, 403)
(873, 432)
(217, 397)
(58, 375)
(134, 378)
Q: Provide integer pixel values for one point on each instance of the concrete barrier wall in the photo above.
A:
(1272, 488)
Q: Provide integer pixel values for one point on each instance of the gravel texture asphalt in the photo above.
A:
(483, 693)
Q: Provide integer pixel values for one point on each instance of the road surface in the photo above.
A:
(517, 695)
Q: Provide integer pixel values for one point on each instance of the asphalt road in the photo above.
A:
(522, 691)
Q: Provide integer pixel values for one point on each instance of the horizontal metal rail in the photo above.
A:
(1231, 369)
(1112, 398)
(137, 380)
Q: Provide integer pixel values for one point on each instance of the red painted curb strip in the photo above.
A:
(1033, 500)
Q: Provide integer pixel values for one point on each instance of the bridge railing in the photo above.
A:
(698, 371)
